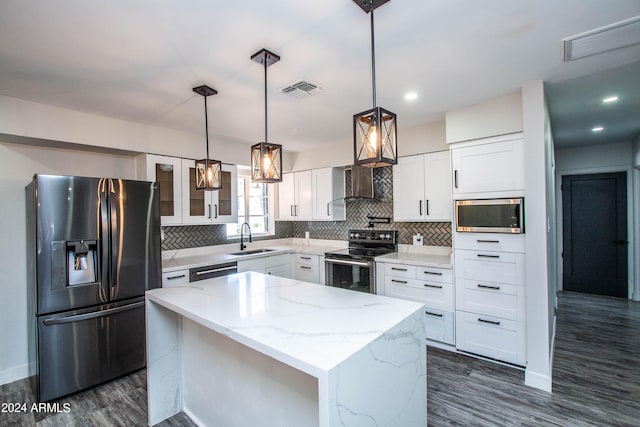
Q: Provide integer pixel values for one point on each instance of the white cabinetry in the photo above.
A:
(328, 191)
(209, 207)
(175, 278)
(421, 188)
(490, 295)
(429, 285)
(295, 196)
(277, 265)
(490, 167)
(167, 172)
(307, 267)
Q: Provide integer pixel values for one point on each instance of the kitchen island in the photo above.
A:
(252, 349)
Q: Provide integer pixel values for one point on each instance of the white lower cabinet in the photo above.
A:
(429, 285)
(490, 296)
(277, 265)
(306, 267)
(175, 278)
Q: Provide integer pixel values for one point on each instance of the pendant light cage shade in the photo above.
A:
(266, 163)
(208, 174)
(375, 136)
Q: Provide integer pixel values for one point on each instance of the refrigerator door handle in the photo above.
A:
(92, 315)
(104, 186)
(116, 219)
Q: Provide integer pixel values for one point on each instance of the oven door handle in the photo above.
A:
(346, 262)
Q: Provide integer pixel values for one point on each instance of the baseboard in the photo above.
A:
(14, 374)
(535, 380)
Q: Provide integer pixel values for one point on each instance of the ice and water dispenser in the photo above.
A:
(74, 263)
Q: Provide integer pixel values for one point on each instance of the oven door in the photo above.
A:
(356, 275)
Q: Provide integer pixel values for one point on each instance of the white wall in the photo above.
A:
(18, 164)
(416, 140)
(498, 116)
(603, 159)
(538, 238)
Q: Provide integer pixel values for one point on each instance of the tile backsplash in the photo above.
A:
(357, 210)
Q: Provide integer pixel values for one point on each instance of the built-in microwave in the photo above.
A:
(490, 216)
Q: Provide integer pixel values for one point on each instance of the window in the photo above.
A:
(253, 208)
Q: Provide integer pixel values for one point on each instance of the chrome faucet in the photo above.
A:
(242, 245)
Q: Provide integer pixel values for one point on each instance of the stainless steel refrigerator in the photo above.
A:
(93, 250)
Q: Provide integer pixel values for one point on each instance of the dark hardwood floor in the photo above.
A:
(596, 381)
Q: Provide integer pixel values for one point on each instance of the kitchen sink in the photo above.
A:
(252, 252)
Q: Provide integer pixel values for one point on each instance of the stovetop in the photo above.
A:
(367, 244)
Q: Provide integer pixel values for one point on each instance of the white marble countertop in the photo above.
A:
(429, 256)
(185, 259)
(310, 327)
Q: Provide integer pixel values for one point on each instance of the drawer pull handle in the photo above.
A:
(491, 322)
(428, 313)
(434, 273)
(399, 281)
(488, 256)
(304, 267)
(398, 269)
(433, 286)
(495, 288)
(305, 257)
(488, 241)
(176, 277)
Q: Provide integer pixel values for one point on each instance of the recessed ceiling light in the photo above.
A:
(610, 99)
(411, 96)
(597, 129)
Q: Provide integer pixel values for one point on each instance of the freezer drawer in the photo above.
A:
(83, 348)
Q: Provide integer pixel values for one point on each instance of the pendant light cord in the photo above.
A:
(265, 97)
(206, 125)
(373, 59)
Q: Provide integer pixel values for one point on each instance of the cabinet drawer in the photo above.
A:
(400, 270)
(279, 270)
(432, 274)
(439, 325)
(491, 337)
(306, 274)
(306, 259)
(486, 266)
(282, 259)
(432, 294)
(492, 299)
(490, 242)
(175, 278)
(257, 264)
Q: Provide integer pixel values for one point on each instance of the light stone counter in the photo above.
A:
(251, 349)
(424, 256)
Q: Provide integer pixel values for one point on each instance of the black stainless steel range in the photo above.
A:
(354, 268)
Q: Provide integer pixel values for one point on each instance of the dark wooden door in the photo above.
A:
(594, 218)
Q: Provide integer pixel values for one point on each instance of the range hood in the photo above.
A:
(361, 182)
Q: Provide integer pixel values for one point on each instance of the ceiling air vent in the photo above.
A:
(300, 89)
(615, 36)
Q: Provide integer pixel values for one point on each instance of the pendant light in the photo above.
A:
(374, 131)
(208, 172)
(266, 158)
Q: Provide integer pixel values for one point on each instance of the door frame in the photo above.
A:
(633, 283)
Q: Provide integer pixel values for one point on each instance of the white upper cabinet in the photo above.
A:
(207, 207)
(167, 172)
(421, 189)
(328, 194)
(312, 195)
(491, 166)
(295, 196)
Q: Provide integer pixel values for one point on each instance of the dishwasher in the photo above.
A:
(211, 271)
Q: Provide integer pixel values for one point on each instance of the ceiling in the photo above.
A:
(138, 61)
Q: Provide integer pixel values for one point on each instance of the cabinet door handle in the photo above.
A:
(305, 257)
(487, 241)
(495, 288)
(398, 269)
(427, 207)
(176, 277)
(455, 178)
(488, 256)
(291, 210)
(426, 285)
(296, 209)
(216, 210)
(433, 273)
(209, 210)
(491, 322)
(328, 212)
(304, 267)
(420, 208)
(428, 313)
(399, 281)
